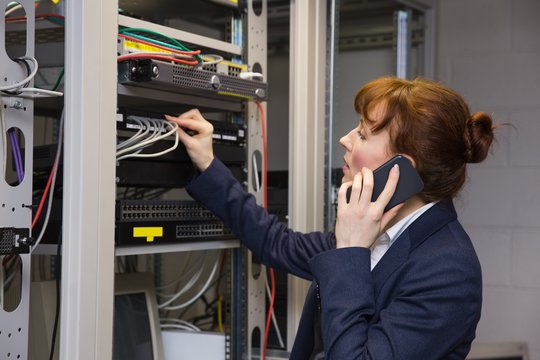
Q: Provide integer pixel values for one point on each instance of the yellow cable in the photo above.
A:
(220, 314)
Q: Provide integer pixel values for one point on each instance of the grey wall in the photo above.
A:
(354, 69)
(489, 50)
(278, 113)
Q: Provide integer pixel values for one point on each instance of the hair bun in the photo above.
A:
(480, 134)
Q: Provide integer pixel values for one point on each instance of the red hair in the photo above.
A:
(432, 124)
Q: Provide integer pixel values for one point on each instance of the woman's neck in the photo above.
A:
(409, 207)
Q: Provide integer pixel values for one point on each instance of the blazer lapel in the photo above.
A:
(429, 222)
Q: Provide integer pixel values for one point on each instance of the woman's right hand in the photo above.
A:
(199, 145)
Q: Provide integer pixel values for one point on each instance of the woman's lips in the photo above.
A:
(345, 168)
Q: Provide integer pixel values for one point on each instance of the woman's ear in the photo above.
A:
(411, 159)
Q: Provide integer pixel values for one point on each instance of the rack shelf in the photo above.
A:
(185, 36)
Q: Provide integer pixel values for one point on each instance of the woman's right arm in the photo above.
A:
(271, 241)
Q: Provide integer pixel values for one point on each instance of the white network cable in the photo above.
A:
(249, 75)
(196, 276)
(20, 89)
(13, 9)
(149, 53)
(37, 92)
(2, 281)
(173, 323)
(199, 294)
(256, 172)
(4, 136)
(53, 181)
(216, 59)
(177, 326)
(197, 265)
(154, 131)
(182, 291)
(20, 84)
(274, 320)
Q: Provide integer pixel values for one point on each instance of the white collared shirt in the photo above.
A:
(383, 243)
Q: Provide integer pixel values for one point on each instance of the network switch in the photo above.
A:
(146, 222)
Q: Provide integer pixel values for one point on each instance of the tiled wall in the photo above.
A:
(489, 51)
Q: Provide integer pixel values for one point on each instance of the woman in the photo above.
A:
(405, 284)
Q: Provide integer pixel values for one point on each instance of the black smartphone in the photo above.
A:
(409, 183)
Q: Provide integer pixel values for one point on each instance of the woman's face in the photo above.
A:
(363, 148)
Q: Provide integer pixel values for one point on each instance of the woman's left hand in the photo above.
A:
(360, 222)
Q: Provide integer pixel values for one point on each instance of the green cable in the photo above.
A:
(177, 45)
(58, 81)
(56, 20)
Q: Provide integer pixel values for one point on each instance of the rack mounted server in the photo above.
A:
(162, 75)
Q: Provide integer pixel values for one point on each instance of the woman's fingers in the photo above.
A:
(193, 121)
(367, 188)
(342, 194)
(200, 144)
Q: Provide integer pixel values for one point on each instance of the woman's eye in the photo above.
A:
(361, 136)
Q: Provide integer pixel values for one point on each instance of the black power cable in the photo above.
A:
(57, 275)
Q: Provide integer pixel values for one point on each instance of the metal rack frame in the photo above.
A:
(89, 183)
(15, 209)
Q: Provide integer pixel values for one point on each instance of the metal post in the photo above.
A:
(403, 43)
(15, 201)
(306, 134)
(89, 186)
(256, 53)
(333, 38)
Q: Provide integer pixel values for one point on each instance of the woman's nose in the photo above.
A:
(345, 142)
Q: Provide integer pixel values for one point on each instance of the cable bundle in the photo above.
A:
(20, 88)
(150, 131)
(173, 50)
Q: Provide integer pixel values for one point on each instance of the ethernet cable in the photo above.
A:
(171, 323)
(274, 320)
(177, 44)
(198, 264)
(168, 49)
(20, 84)
(199, 294)
(54, 171)
(168, 57)
(158, 127)
(187, 287)
(20, 87)
(4, 135)
(216, 59)
(13, 6)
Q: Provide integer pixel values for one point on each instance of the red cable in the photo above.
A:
(265, 155)
(270, 310)
(265, 203)
(157, 57)
(194, 52)
(43, 197)
(40, 16)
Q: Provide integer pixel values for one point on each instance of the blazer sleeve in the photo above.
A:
(437, 303)
(272, 242)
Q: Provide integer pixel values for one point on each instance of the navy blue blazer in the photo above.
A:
(421, 301)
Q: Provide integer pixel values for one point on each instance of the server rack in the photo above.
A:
(89, 177)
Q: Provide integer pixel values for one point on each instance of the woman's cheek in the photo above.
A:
(358, 161)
